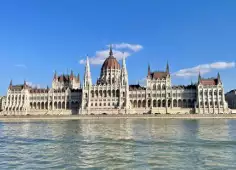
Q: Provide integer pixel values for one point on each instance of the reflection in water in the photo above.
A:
(118, 144)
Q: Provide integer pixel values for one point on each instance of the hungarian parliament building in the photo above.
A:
(112, 94)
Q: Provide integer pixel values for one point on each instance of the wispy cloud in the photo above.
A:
(203, 69)
(33, 85)
(21, 66)
(132, 47)
(142, 82)
(100, 56)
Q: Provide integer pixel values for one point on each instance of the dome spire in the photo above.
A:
(110, 52)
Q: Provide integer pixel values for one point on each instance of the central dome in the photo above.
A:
(110, 62)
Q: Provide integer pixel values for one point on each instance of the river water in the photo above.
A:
(118, 144)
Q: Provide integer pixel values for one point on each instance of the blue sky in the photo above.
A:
(40, 36)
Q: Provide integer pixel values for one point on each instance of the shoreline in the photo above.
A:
(81, 117)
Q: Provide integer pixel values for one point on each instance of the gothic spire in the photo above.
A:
(87, 75)
(25, 84)
(110, 52)
(218, 77)
(167, 68)
(149, 70)
(199, 77)
(123, 61)
(71, 75)
(10, 85)
(55, 75)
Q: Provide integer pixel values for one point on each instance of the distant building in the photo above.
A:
(2, 102)
(231, 99)
(112, 94)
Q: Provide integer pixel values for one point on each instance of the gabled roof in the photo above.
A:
(134, 87)
(209, 82)
(158, 75)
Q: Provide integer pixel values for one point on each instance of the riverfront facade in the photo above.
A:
(112, 94)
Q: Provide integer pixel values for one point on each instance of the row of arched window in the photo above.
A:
(57, 105)
(158, 87)
(105, 93)
(211, 92)
(163, 103)
(211, 104)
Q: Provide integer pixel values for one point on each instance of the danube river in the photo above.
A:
(118, 144)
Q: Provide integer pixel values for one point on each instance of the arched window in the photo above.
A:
(139, 103)
(154, 103)
(163, 87)
(154, 87)
(92, 92)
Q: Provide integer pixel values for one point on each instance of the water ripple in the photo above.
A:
(118, 144)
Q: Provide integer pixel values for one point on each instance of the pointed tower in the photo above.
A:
(71, 75)
(125, 83)
(218, 78)
(124, 75)
(149, 70)
(25, 84)
(199, 78)
(167, 68)
(87, 74)
(110, 52)
(55, 75)
(10, 85)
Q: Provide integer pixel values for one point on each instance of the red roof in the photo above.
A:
(158, 75)
(209, 82)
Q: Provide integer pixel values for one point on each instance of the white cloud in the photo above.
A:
(203, 69)
(101, 55)
(142, 82)
(21, 65)
(132, 47)
(33, 85)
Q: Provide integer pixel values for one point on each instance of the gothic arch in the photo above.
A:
(184, 103)
(154, 103)
(154, 87)
(180, 103)
(117, 93)
(63, 105)
(159, 103)
(42, 105)
(139, 103)
(149, 103)
(163, 87)
(46, 105)
(174, 103)
(169, 103)
(109, 93)
(55, 105)
(100, 93)
(38, 105)
(164, 103)
(104, 93)
(59, 105)
(135, 103)
(144, 103)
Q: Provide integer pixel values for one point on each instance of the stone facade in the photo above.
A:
(112, 94)
(2, 102)
(231, 99)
